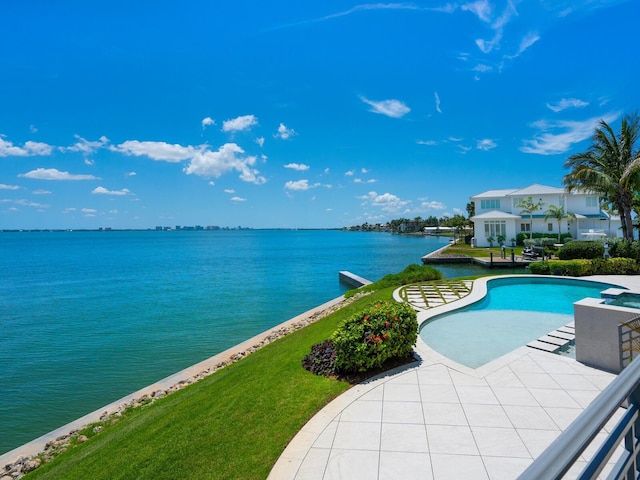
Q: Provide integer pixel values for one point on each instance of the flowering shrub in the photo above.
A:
(368, 339)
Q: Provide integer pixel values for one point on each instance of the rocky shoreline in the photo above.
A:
(24, 464)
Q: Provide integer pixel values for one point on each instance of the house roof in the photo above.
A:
(494, 193)
(494, 215)
(537, 189)
(531, 190)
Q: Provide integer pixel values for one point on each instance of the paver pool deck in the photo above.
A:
(439, 420)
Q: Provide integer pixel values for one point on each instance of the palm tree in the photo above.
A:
(558, 213)
(529, 207)
(610, 168)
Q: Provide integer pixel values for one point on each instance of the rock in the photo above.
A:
(82, 438)
(31, 464)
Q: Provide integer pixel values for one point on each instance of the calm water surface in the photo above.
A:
(88, 317)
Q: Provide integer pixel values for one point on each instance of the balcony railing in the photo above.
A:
(562, 454)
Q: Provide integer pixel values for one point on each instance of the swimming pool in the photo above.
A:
(629, 300)
(515, 311)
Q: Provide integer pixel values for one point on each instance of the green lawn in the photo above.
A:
(233, 424)
(479, 252)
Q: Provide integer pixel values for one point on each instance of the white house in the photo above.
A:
(496, 214)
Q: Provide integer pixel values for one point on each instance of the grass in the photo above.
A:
(479, 252)
(233, 424)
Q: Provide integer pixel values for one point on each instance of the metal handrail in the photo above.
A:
(561, 455)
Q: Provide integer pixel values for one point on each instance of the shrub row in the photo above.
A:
(582, 267)
(621, 248)
(564, 237)
(581, 249)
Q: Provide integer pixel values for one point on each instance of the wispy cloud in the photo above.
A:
(565, 103)
(437, 98)
(238, 124)
(391, 108)
(430, 143)
(486, 144)
(284, 133)
(558, 137)
(86, 146)
(301, 167)
(9, 187)
(238, 199)
(229, 191)
(54, 174)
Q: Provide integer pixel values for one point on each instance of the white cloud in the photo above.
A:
(238, 199)
(89, 162)
(8, 187)
(437, 98)
(482, 68)
(486, 144)
(25, 203)
(349, 173)
(463, 150)
(33, 129)
(104, 191)
(207, 121)
(480, 8)
(297, 166)
(572, 132)
(430, 143)
(260, 141)
(285, 133)
(526, 42)
(300, 185)
(433, 205)
(391, 108)
(565, 103)
(85, 146)
(54, 174)
(131, 174)
(41, 192)
(227, 158)
(238, 124)
(360, 180)
(229, 190)
(156, 150)
(89, 212)
(387, 202)
(29, 149)
(364, 170)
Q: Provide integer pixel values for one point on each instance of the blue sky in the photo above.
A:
(297, 114)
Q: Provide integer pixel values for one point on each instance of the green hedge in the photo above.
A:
(564, 237)
(581, 249)
(582, 267)
(368, 339)
(621, 248)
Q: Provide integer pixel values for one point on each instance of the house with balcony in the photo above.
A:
(496, 214)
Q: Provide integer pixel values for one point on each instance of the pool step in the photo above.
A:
(555, 340)
(547, 347)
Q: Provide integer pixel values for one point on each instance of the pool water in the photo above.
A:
(514, 312)
(629, 300)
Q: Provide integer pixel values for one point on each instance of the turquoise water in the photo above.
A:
(88, 317)
(514, 312)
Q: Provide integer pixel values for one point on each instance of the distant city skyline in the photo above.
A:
(297, 115)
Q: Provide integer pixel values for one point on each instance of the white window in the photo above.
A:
(516, 201)
(495, 228)
(490, 204)
(592, 201)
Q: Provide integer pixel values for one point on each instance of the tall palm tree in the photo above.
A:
(528, 206)
(610, 168)
(558, 213)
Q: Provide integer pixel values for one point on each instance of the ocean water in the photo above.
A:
(89, 317)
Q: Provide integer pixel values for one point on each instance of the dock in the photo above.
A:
(351, 279)
(494, 261)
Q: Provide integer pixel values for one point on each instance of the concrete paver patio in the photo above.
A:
(441, 420)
